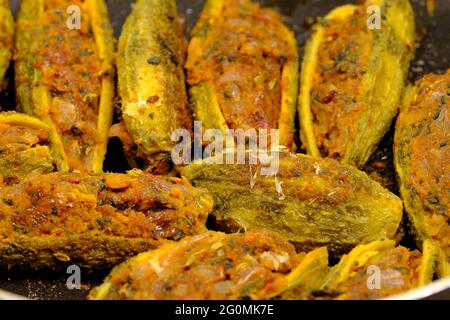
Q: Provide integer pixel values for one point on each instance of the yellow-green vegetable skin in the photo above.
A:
(353, 78)
(311, 202)
(65, 76)
(422, 161)
(150, 65)
(214, 266)
(243, 69)
(25, 147)
(6, 39)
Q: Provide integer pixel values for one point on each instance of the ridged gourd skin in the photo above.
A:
(213, 266)
(243, 69)
(378, 270)
(311, 202)
(65, 76)
(260, 264)
(353, 78)
(51, 221)
(26, 147)
(6, 40)
(422, 153)
(151, 58)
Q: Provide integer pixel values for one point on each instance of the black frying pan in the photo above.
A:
(433, 55)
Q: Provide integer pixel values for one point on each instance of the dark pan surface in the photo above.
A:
(433, 55)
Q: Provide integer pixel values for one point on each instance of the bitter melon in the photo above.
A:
(378, 270)
(422, 160)
(353, 78)
(151, 58)
(26, 147)
(243, 69)
(6, 39)
(214, 266)
(311, 202)
(65, 75)
(60, 219)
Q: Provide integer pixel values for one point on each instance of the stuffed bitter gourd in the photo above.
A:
(311, 202)
(308, 277)
(255, 265)
(243, 69)
(6, 39)
(422, 153)
(59, 219)
(261, 265)
(27, 147)
(151, 57)
(65, 75)
(378, 270)
(353, 78)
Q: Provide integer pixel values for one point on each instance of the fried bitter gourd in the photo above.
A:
(243, 69)
(213, 266)
(311, 202)
(308, 277)
(422, 160)
(96, 222)
(6, 39)
(26, 147)
(378, 270)
(65, 75)
(353, 78)
(151, 58)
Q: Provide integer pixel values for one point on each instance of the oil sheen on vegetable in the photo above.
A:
(422, 158)
(243, 69)
(64, 75)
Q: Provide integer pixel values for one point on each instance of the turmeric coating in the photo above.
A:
(422, 146)
(213, 266)
(248, 60)
(261, 265)
(353, 78)
(18, 138)
(25, 147)
(335, 104)
(94, 221)
(150, 61)
(311, 202)
(64, 76)
(374, 271)
(6, 39)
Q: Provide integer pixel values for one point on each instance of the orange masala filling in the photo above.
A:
(64, 205)
(71, 71)
(336, 102)
(14, 139)
(430, 153)
(243, 61)
(210, 267)
(398, 273)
